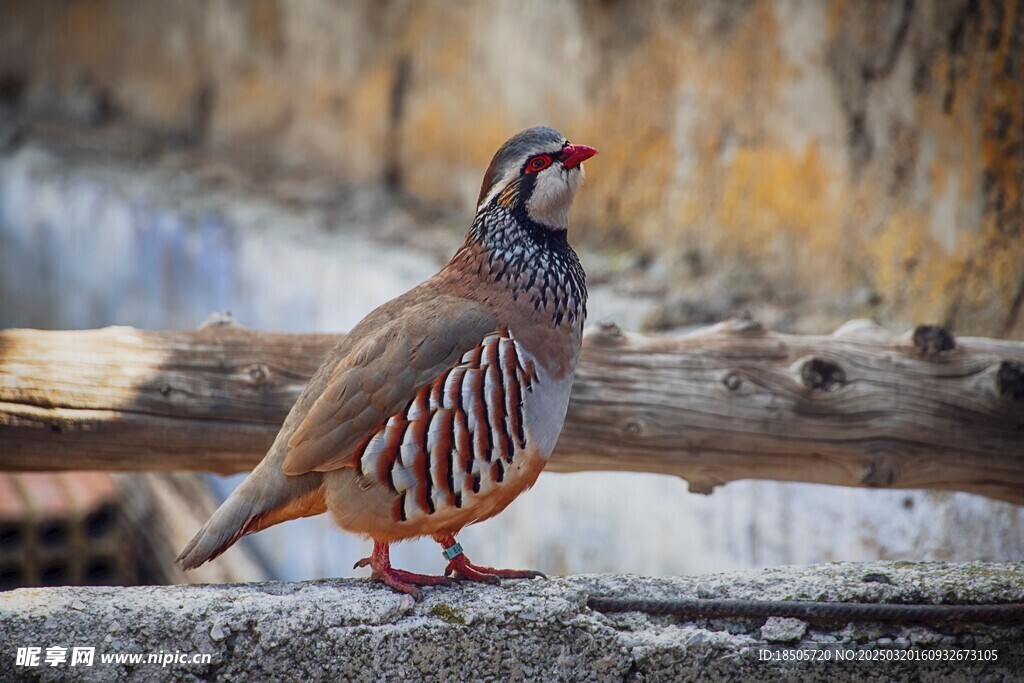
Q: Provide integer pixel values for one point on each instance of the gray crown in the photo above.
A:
(517, 148)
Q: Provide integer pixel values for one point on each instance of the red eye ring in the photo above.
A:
(538, 163)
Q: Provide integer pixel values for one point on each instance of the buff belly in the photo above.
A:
(362, 506)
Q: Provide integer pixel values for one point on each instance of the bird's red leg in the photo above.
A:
(399, 579)
(460, 566)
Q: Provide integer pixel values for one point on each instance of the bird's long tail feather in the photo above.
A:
(265, 498)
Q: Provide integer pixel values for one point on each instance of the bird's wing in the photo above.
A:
(380, 374)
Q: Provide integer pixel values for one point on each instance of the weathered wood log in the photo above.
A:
(861, 407)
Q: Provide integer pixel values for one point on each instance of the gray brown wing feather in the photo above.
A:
(377, 376)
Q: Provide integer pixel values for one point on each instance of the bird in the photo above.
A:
(444, 404)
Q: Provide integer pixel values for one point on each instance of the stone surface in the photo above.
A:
(532, 630)
(783, 629)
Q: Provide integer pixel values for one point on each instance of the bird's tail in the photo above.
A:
(266, 497)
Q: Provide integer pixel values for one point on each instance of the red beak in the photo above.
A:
(574, 155)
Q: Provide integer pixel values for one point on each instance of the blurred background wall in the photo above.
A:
(299, 163)
(865, 157)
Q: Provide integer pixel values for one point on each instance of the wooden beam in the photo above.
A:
(861, 407)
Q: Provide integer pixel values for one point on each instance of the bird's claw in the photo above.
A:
(467, 574)
(399, 579)
(529, 574)
(462, 568)
(404, 581)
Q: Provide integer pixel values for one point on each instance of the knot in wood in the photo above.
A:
(634, 428)
(932, 339)
(166, 390)
(732, 381)
(258, 373)
(819, 374)
(1010, 380)
(879, 472)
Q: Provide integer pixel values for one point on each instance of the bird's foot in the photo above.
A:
(407, 582)
(399, 579)
(461, 568)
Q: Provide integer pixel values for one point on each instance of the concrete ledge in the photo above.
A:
(537, 630)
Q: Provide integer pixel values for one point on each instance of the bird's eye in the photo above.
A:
(538, 163)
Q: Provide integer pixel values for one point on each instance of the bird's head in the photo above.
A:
(537, 171)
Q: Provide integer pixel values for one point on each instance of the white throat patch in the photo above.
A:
(552, 195)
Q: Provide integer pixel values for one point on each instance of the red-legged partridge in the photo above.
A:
(440, 407)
